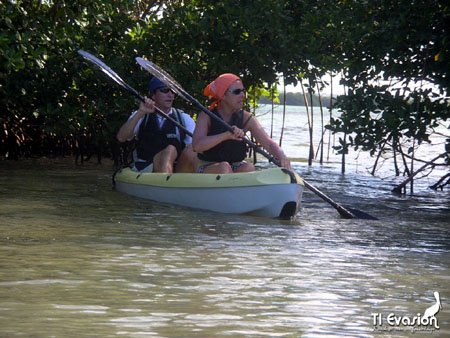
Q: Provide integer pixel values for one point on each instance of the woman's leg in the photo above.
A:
(218, 168)
(245, 167)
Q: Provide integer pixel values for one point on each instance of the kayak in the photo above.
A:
(273, 192)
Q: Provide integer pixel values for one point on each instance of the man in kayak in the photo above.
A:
(161, 145)
(219, 150)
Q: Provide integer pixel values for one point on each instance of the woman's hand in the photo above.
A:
(284, 161)
(237, 134)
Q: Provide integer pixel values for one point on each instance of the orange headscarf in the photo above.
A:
(216, 89)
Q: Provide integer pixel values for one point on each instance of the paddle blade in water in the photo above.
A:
(176, 87)
(361, 214)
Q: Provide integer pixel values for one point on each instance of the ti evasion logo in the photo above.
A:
(419, 322)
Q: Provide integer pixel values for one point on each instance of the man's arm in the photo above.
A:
(126, 132)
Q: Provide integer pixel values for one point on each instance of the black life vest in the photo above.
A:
(229, 150)
(151, 139)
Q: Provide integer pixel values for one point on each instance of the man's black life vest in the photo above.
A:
(151, 139)
(229, 150)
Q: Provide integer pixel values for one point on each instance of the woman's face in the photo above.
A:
(235, 95)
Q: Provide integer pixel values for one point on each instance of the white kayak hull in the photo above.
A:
(274, 192)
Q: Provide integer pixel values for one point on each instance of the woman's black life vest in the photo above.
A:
(151, 139)
(229, 150)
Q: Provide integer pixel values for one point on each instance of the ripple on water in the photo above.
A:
(77, 258)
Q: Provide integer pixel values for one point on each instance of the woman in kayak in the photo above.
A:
(219, 150)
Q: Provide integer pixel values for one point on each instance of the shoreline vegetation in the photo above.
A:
(297, 99)
(396, 90)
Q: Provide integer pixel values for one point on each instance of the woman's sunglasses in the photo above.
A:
(165, 90)
(238, 91)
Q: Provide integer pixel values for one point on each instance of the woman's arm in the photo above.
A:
(266, 142)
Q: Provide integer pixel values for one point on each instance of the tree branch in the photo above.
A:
(400, 150)
(439, 184)
(402, 185)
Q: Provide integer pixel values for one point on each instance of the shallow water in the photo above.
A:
(80, 259)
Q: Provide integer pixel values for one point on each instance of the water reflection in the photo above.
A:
(79, 259)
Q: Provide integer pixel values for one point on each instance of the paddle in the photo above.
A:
(176, 87)
(113, 75)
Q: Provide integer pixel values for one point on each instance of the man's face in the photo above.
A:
(163, 98)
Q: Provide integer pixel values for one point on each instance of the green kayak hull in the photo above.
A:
(274, 192)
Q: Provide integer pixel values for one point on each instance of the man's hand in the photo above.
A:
(146, 107)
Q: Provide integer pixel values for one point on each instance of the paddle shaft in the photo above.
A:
(229, 128)
(342, 211)
(177, 88)
(159, 111)
(116, 78)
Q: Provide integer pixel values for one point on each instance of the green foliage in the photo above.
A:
(53, 99)
(295, 99)
(396, 65)
(202, 39)
(46, 90)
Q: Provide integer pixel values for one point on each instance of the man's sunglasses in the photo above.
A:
(238, 91)
(165, 90)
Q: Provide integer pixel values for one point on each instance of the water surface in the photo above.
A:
(78, 259)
